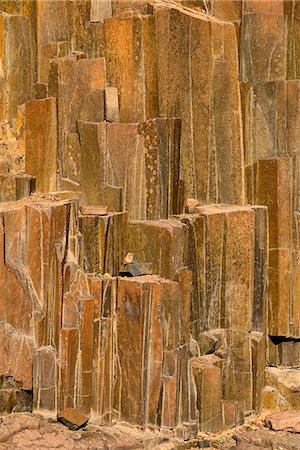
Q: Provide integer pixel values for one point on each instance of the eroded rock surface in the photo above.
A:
(149, 219)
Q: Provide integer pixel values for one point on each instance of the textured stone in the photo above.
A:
(130, 51)
(41, 142)
(145, 240)
(105, 238)
(17, 64)
(273, 188)
(221, 257)
(263, 38)
(284, 421)
(197, 58)
(151, 149)
(208, 379)
(72, 418)
(45, 379)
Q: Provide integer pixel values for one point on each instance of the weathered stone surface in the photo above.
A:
(221, 257)
(72, 418)
(150, 152)
(284, 421)
(272, 186)
(148, 302)
(45, 379)
(72, 82)
(17, 355)
(16, 64)
(263, 43)
(238, 369)
(131, 66)
(105, 242)
(197, 58)
(41, 142)
(100, 10)
(162, 243)
(208, 379)
(112, 113)
(286, 381)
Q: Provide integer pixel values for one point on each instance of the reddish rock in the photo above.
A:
(284, 421)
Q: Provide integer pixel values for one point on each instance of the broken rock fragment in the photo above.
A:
(284, 421)
(72, 418)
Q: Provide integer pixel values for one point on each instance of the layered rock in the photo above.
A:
(119, 113)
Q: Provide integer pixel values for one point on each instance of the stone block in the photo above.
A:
(238, 369)
(188, 69)
(74, 83)
(41, 142)
(17, 64)
(259, 362)
(208, 380)
(286, 382)
(151, 150)
(112, 113)
(45, 379)
(131, 51)
(273, 188)
(162, 243)
(100, 10)
(68, 351)
(17, 355)
(105, 242)
(221, 257)
(263, 46)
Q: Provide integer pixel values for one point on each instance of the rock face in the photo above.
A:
(154, 275)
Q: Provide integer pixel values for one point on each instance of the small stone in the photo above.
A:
(132, 267)
(72, 418)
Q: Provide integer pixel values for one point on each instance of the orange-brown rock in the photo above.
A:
(221, 257)
(130, 51)
(162, 243)
(272, 186)
(150, 151)
(41, 142)
(197, 59)
(16, 64)
(105, 242)
(45, 379)
(208, 380)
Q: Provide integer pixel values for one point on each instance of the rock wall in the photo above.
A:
(168, 131)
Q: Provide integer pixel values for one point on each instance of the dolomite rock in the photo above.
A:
(41, 142)
(149, 151)
(122, 112)
(197, 59)
(16, 64)
(162, 243)
(130, 50)
(272, 186)
(218, 290)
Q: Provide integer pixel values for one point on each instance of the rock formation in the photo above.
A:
(170, 131)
